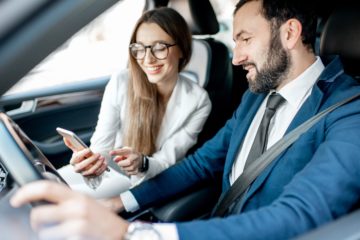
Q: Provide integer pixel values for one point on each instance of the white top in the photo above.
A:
(185, 115)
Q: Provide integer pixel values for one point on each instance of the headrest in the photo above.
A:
(341, 36)
(199, 15)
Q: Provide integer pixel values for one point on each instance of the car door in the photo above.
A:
(65, 90)
(71, 106)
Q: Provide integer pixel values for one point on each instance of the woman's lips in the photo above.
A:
(153, 69)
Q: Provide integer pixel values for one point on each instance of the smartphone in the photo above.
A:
(72, 138)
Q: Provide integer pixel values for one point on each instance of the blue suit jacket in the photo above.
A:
(315, 180)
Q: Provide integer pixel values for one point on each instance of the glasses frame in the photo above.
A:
(167, 45)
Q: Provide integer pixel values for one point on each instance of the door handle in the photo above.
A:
(28, 106)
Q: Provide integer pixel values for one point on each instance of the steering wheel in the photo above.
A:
(21, 157)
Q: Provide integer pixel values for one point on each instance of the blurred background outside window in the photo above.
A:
(101, 47)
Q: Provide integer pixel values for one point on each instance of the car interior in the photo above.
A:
(29, 125)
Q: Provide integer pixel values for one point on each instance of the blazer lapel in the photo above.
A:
(314, 104)
(309, 109)
(172, 114)
(179, 107)
(239, 133)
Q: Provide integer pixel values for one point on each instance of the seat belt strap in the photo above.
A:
(257, 166)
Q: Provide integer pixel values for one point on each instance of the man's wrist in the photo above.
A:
(129, 202)
(139, 230)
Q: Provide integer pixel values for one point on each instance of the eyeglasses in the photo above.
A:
(159, 50)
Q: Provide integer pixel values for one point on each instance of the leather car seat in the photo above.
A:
(211, 67)
(210, 63)
(341, 36)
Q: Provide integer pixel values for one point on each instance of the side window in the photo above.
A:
(97, 50)
(224, 13)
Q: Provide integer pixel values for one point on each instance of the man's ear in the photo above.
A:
(292, 30)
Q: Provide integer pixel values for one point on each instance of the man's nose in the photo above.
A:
(239, 57)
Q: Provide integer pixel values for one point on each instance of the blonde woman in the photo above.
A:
(150, 114)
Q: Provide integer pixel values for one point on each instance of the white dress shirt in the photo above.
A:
(295, 94)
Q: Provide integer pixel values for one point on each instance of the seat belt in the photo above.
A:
(257, 166)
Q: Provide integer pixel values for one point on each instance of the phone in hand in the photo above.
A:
(74, 139)
(92, 181)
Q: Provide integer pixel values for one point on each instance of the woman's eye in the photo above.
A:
(159, 48)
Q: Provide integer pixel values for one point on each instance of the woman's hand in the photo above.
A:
(70, 215)
(128, 160)
(86, 162)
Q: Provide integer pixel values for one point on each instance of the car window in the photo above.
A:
(97, 50)
(224, 13)
(101, 47)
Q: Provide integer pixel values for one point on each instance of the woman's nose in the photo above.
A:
(149, 57)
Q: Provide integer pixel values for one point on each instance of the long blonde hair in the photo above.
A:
(145, 108)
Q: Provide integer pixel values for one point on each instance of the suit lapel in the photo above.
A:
(173, 114)
(242, 125)
(315, 103)
(309, 109)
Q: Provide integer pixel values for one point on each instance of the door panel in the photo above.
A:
(72, 106)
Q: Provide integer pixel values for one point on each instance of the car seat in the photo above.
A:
(210, 63)
(341, 36)
(211, 67)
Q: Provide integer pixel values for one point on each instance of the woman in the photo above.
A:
(150, 114)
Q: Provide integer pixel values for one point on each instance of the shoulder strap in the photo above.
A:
(257, 166)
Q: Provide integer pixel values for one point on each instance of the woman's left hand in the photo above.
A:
(127, 159)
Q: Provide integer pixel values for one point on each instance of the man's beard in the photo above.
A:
(275, 68)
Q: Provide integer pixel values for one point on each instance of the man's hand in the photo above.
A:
(71, 214)
(115, 204)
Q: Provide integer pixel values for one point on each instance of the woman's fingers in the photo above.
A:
(122, 151)
(127, 159)
(80, 156)
(102, 168)
(94, 168)
(86, 163)
(131, 165)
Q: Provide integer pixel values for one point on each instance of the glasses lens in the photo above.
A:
(159, 50)
(137, 50)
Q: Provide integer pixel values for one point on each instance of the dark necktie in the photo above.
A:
(260, 141)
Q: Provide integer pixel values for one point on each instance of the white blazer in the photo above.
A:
(186, 112)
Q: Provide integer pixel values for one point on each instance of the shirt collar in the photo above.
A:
(296, 90)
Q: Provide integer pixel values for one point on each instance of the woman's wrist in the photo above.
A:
(144, 163)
